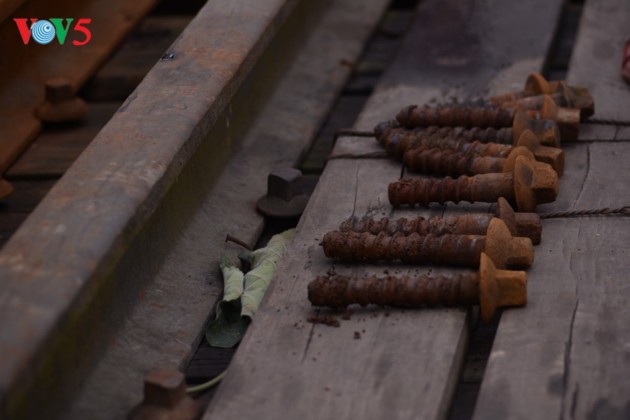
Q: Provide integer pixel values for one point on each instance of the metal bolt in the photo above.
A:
(488, 116)
(453, 250)
(536, 86)
(568, 118)
(437, 161)
(60, 104)
(455, 116)
(551, 155)
(547, 131)
(519, 224)
(285, 196)
(490, 288)
(426, 151)
(397, 140)
(165, 397)
(165, 387)
(530, 184)
(565, 96)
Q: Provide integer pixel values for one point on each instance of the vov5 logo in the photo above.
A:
(44, 31)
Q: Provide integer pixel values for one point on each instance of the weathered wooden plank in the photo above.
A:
(406, 363)
(596, 64)
(565, 354)
(567, 349)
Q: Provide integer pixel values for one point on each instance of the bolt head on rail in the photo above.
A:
(61, 104)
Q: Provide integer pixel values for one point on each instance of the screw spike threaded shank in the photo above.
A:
(484, 188)
(450, 162)
(341, 291)
(457, 116)
(454, 250)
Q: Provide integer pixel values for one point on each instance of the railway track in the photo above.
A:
(111, 235)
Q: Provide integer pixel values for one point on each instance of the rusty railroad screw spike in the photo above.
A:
(397, 140)
(165, 397)
(490, 288)
(530, 184)
(60, 104)
(424, 155)
(547, 131)
(285, 194)
(553, 156)
(537, 86)
(437, 161)
(519, 224)
(447, 249)
(568, 118)
(522, 224)
(565, 96)
(489, 116)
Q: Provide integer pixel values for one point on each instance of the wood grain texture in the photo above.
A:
(406, 363)
(566, 354)
(596, 64)
(570, 339)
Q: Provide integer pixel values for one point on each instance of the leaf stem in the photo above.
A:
(230, 238)
(206, 385)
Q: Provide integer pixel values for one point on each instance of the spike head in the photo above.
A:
(498, 288)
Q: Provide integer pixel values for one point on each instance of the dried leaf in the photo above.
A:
(232, 280)
(233, 315)
(263, 262)
(228, 327)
